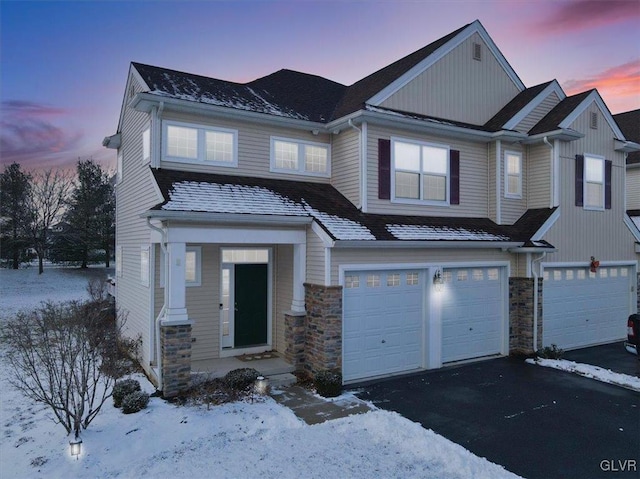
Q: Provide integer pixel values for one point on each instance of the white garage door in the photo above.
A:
(473, 313)
(382, 323)
(581, 308)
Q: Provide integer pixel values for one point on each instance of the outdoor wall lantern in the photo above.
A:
(438, 283)
(261, 385)
(76, 447)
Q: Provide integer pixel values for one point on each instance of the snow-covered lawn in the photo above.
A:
(589, 371)
(238, 440)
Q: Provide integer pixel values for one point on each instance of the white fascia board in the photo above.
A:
(625, 146)
(145, 101)
(546, 226)
(132, 73)
(533, 249)
(594, 96)
(327, 241)
(553, 87)
(632, 227)
(226, 218)
(564, 134)
(411, 244)
(475, 27)
(631, 166)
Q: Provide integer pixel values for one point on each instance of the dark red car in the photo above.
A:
(632, 344)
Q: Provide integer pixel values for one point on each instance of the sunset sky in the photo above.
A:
(64, 64)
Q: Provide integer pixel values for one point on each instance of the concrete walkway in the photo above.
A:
(314, 409)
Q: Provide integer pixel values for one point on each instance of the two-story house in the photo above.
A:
(436, 211)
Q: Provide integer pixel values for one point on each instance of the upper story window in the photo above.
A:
(201, 144)
(512, 174)
(301, 157)
(421, 171)
(593, 183)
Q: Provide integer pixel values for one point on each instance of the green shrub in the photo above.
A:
(328, 383)
(550, 352)
(124, 388)
(134, 402)
(241, 379)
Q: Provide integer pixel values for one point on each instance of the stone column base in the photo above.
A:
(521, 315)
(176, 359)
(294, 338)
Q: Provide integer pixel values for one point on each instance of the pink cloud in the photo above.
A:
(578, 15)
(29, 136)
(619, 85)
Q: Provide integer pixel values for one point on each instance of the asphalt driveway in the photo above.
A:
(535, 421)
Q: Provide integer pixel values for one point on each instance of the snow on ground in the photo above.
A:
(238, 440)
(589, 371)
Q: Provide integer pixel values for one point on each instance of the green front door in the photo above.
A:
(250, 318)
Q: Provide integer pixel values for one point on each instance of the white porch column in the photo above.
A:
(176, 307)
(299, 275)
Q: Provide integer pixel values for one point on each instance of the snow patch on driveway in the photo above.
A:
(589, 371)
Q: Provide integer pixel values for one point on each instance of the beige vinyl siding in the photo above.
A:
(254, 148)
(283, 292)
(134, 195)
(345, 171)
(202, 306)
(384, 256)
(539, 176)
(538, 113)
(579, 234)
(457, 87)
(473, 177)
(491, 182)
(315, 258)
(512, 208)
(633, 188)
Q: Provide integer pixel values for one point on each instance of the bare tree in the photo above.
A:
(45, 204)
(62, 355)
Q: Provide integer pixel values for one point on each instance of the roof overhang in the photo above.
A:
(533, 249)
(226, 218)
(144, 102)
(441, 244)
(422, 125)
(564, 134)
(112, 142)
(626, 146)
(632, 227)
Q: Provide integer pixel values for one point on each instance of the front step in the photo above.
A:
(277, 381)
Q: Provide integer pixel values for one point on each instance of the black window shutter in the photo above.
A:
(607, 184)
(384, 169)
(454, 178)
(579, 180)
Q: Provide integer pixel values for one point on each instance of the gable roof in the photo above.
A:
(515, 106)
(284, 93)
(629, 123)
(204, 193)
(552, 120)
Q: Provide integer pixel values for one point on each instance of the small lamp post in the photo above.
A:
(75, 447)
(261, 385)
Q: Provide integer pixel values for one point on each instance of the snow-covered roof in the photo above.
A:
(209, 193)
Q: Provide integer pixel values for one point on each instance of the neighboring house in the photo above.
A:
(435, 211)
(629, 123)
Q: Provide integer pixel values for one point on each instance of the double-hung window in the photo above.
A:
(300, 157)
(421, 171)
(512, 174)
(593, 182)
(184, 142)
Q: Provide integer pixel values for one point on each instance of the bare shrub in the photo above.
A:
(62, 355)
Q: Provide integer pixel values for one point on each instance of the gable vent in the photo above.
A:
(477, 51)
(593, 120)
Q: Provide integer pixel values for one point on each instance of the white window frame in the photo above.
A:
(301, 169)
(420, 201)
(507, 193)
(201, 147)
(585, 183)
(144, 265)
(146, 146)
(198, 280)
